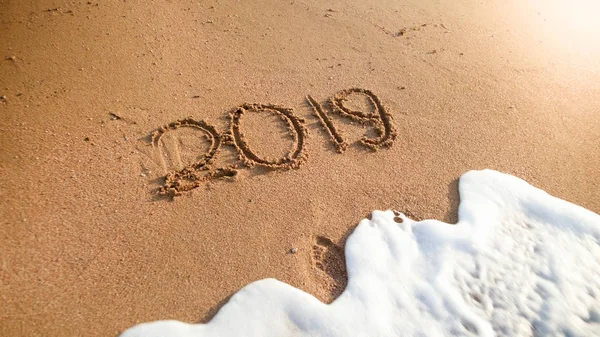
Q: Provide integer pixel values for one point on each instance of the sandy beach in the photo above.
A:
(88, 245)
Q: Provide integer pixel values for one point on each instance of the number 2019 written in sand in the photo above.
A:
(194, 174)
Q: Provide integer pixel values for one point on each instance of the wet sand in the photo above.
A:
(89, 247)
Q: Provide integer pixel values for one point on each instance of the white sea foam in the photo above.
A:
(518, 263)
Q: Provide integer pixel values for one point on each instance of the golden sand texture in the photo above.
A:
(89, 246)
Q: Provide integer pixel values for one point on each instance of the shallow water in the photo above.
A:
(518, 263)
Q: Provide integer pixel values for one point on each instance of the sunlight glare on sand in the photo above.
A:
(574, 23)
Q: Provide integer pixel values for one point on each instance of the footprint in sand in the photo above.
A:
(329, 261)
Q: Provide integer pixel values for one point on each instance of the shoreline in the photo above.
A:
(87, 248)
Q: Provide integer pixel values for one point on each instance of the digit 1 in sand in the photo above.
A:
(336, 137)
